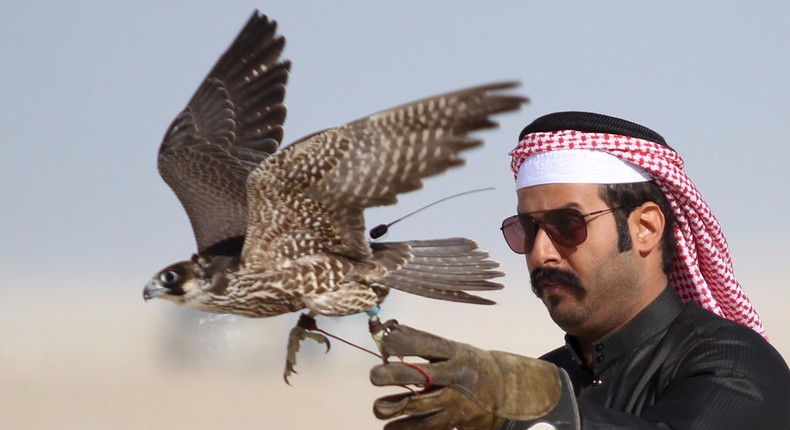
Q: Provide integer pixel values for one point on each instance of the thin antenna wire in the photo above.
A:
(381, 229)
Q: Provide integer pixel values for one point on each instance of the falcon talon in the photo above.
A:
(289, 370)
(378, 332)
(299, 333)
(386, 327)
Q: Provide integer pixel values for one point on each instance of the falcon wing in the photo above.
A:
(232, 123)
(319, 187)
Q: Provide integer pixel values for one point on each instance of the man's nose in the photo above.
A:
(543, 253)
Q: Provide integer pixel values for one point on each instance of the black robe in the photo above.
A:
(677, 366)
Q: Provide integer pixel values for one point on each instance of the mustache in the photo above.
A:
(540, 277)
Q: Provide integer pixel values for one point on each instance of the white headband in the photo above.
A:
(578, 166)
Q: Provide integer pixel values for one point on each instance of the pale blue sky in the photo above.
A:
(88, 88)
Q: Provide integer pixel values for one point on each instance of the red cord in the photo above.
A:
(347, 342)
(417, 367)
(428, 377)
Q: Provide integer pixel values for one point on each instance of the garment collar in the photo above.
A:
(655, 318)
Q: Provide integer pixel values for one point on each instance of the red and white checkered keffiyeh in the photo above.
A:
(703, 267)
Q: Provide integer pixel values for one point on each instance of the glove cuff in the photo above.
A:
(563, 416)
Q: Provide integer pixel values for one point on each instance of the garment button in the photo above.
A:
(599, 347)
(600, 358)
(597, 383)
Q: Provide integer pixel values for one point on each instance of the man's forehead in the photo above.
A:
(554, 196)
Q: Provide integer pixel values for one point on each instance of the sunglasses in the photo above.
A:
(565, 227)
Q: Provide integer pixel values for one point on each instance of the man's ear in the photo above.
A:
(647, 227)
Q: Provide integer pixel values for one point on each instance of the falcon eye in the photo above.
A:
(168, 277)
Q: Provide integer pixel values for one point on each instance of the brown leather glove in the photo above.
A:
(469, 388)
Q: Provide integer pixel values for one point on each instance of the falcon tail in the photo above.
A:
(442, 269)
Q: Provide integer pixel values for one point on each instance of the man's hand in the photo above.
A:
(464, 387)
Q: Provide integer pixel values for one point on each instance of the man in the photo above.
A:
(616, 239)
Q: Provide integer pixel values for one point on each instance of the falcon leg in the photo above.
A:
(379, 329)
(302, 331)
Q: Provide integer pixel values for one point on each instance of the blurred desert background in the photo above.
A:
(88, 88)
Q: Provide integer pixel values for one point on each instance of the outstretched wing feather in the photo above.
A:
(370, 161)
(441, 269)
(233, 122)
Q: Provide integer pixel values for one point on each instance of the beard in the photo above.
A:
(564, 296)
(539, 278)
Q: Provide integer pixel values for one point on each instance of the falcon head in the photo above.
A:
(174, 282)
(191, 283)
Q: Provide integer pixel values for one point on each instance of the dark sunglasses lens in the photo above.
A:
(566, 227)
(514, 234)
(530, 228)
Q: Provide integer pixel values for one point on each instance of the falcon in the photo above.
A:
(282, 231)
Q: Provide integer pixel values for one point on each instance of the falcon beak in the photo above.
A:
(154, 289)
